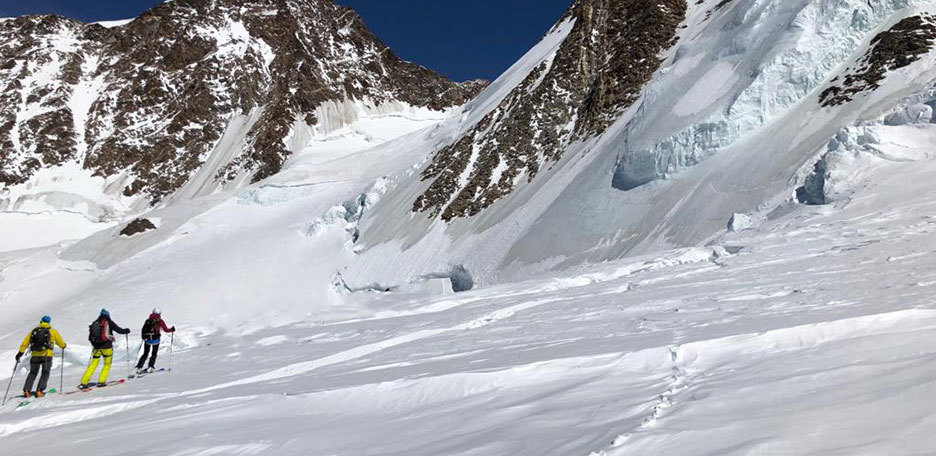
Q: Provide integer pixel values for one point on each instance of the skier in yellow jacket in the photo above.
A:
(39, 342)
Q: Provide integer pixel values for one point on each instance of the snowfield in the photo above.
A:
(810, 338)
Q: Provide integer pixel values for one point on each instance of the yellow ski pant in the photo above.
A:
(108, 354)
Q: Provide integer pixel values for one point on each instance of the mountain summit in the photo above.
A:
(148, 101)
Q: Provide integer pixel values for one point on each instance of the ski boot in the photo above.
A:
(27, 394)
(39, 394)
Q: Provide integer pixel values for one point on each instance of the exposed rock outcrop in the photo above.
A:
(151, 98)
(903, 44)
(137, 226)
(612, 51)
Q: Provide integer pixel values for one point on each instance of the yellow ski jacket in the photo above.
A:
(53, 334)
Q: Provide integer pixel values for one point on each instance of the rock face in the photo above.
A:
(151, 98)
(600, 69)
(905, 43)
(730, 122)
(137, 226)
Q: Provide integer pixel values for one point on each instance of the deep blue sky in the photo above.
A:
(461, 38)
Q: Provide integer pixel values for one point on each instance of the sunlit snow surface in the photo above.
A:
(806, 333)
(810, 339)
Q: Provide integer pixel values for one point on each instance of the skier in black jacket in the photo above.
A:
(101, 335)
(152, 334)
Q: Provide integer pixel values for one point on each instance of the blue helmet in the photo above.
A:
(47, 319)
(105, 313)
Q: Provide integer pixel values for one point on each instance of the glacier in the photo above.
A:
(663, 288)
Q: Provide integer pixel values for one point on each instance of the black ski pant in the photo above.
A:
(35, 364)
(146, 353)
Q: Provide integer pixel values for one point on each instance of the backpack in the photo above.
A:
(97, 332)
(40, 340)
(149, 328)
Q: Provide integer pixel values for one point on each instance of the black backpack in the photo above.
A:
(97, 332)
(149, 328)
(40, 340)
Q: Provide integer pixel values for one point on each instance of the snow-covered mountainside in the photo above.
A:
(145, 105)
(608, 55)
(736, 102)
(805, 335)
(700, 227)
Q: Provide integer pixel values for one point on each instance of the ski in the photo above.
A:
(144, 374)
(33, 399)
(94, 387)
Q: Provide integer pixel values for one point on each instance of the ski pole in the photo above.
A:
(62, 372)
(127, 336)
(10, 384)
(171, 341)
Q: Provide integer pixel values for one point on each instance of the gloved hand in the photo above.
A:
(18, 357)
(173, 329)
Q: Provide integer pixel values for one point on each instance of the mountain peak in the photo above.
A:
(611, 51)
(156, 94)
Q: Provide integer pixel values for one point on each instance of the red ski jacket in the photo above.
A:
(160, 326)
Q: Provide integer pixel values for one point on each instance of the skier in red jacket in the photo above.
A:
(152, 332)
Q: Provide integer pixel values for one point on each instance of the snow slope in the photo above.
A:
(107, 120)
(68, 203)
(809, 339)
(725, 126)
(316, 313)
(270, 253)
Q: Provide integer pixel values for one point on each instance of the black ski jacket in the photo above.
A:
(111, 329)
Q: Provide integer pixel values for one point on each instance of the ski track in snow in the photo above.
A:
(62, 418)
(719, 352)
(660, 355)
(365, 350)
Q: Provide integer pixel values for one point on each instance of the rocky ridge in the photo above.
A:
(901, 45)
(612, 51)
(151, 98)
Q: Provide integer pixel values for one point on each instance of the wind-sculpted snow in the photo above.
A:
(816, 318)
